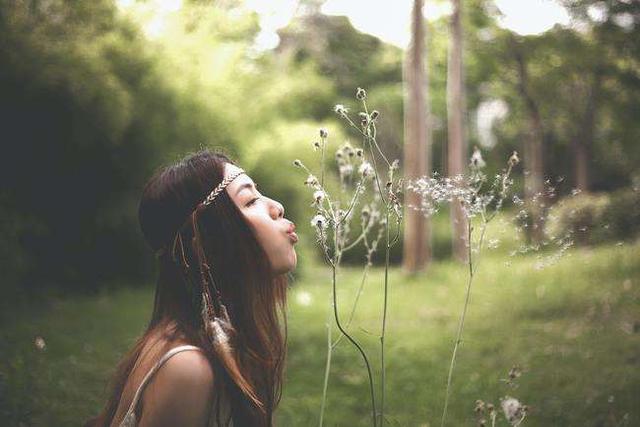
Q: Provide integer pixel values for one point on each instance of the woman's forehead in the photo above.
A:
(239, 182)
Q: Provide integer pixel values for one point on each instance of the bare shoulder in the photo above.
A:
(191, 367)
(181, 392)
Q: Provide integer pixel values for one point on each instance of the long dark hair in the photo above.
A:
(255, 297)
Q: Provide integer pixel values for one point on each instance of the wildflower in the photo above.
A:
(361, 94)
(323, 133)
(316, 145)
(477, 161)
(365, 212)
(311, 181)
(341, 110)
(338, 155)
(513, 410)
(375, 114)
(366, 169)
(319, 221)
(514, 159)
(297, 163)
(39, 343)
(318, 196)
(395, 164)
(359, 152)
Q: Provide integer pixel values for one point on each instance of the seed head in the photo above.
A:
(375, 114)
(359, 152)
(316, 145)
(361, 94)
(324, 133)
(318, 196)
(297, 163)
(341, 110)
(311, 181)
(319, 221)
(366, 170)
(514, 159)
(477, 161)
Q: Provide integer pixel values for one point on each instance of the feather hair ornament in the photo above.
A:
(215, 318)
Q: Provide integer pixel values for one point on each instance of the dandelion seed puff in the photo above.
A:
(514, 159)
(318, 196)
(319, 221)
(341, 110)
(513, 410)
(311, 181)
(476, 159)
(366, 170)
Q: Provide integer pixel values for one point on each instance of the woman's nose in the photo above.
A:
(277, 209)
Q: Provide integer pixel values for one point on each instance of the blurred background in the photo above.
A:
(95, 96)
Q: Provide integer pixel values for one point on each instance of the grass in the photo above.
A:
(574, 328)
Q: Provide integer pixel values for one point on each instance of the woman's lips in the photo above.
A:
(293, 236)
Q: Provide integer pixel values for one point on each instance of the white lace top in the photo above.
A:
(130, 420)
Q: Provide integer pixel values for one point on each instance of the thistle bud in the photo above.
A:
(361, 94)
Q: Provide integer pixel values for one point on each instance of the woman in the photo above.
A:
(214, 349)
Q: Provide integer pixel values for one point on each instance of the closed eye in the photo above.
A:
(252, 201)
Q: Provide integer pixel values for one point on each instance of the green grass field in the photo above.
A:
(573, 327)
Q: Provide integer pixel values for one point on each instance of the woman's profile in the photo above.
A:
(213, 351)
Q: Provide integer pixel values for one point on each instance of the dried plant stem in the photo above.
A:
(384, 320)
(362, 353)
(327, 369)
(460, 326)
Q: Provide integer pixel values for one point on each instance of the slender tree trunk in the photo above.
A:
(533, 153)
(416, 246)
(456, 148)
(583, 140)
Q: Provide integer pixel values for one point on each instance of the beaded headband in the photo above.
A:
(207, 201)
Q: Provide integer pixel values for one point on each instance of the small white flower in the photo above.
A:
(39, 343)
(361, 94)
(319, 221)
(366, 170)
(318, 197)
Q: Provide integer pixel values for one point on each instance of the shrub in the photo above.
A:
(597, 218)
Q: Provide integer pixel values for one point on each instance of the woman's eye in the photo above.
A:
(252, 201)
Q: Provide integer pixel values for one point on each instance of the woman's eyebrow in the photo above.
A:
(246, 185)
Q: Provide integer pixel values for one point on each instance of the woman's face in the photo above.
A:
(266, 217)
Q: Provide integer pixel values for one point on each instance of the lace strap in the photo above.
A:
(131, 411)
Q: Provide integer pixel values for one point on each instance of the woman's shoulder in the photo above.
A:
(182, 389)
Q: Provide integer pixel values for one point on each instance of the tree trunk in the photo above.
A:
(583, 140)
(416, 246)
(533, 154)
(456, 148)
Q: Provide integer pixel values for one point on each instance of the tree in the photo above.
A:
(416, 245)
(456, 147)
